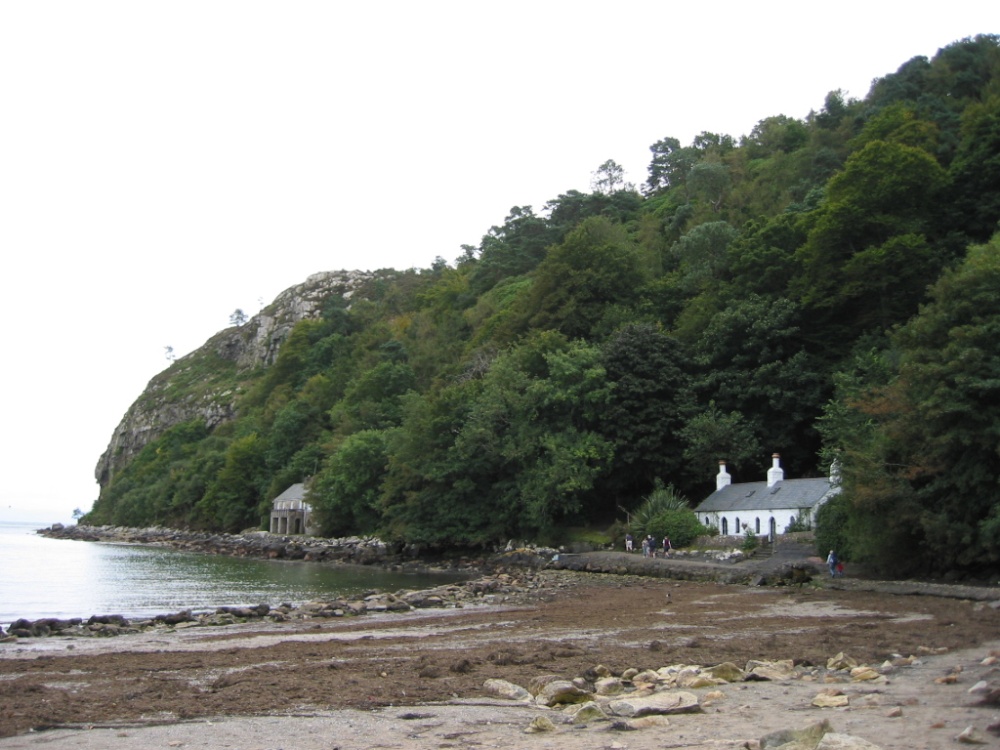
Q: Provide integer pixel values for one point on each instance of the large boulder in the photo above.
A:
(508, 690)
(727, 671)
(663, 703)
(561, 692)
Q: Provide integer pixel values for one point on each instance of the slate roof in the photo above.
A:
(747, 496)
(295, 492)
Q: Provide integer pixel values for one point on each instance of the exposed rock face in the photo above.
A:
(170, 399)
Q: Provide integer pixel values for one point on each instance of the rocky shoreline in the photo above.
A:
(503, 577)
(263, 545)
(495, 589)
(716, 565)
(495, 578)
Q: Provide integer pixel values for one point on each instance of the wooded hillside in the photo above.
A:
(818, 288)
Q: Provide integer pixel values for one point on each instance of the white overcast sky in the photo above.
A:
(164, 163)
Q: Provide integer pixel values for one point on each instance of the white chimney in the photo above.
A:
(722, 479)
(775, 474)
(835, 472)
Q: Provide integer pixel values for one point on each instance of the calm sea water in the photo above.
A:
(42, 577)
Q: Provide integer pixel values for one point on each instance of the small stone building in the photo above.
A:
(290, 513)
(766, 508)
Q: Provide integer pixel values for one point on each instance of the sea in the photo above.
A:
(42, 577)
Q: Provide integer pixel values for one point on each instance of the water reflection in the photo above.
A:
(58, 578)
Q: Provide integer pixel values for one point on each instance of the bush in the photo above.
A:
(680, 525)
(578, 539)
(660, 499)
(616, 534)
(797, 524)
(831, 529)
(750, 542)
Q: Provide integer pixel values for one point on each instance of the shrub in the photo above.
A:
(661, 499)
(616, 534)
(797, 524)
(680, 525)
(831, 529)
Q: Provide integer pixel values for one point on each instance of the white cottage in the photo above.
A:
(767, 508)
(290, 513)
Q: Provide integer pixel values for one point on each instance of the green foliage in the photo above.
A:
(949, 427)
(870, 238)
(798, 524)
(345, 494)
(766, 295)
(833, 531)
(144, 491)
(649, 401)
(431, 494)
(616, 532)
(750, 541)
(533, 424)
(595, 266)
(919, 442)
(663, 498)
(232, 501)
(975, 173)
(670, 164)
(512, 249)
(373, 400)
(608, 178)
(712, 436)
(755, 372)
(680, 525)
(701, 254)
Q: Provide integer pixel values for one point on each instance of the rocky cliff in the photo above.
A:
(204, 384)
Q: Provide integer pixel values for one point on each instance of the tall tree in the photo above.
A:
(608, 178)
(535, 424)
(670, 164)
(512, 249)
(752, 360)
(596, 266)
(650, 400)
(870, 235)
(346, 492)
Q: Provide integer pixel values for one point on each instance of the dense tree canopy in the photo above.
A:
(918, 430)
(820, 287)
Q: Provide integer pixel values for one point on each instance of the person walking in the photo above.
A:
(628, 542)
(667, 546)
(831, 561)
(645, 546)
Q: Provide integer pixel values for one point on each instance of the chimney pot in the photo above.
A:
(775, 474)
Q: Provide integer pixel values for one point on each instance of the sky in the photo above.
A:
(165, 163)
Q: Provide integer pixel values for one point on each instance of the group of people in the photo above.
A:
(650, 547)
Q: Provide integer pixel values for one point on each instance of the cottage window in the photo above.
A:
(756, 524)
